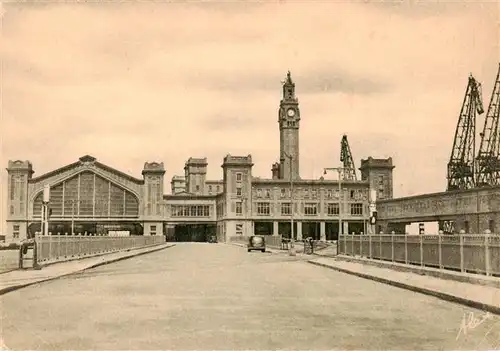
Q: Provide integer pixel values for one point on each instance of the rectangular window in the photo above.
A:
(352, 194)
(239, 208)
(283, 192)
(381, 180)
(268, 193)
(15, 232)
(259, 192)
(329, 194)
(238, 177)
(238, 191)
(210, 189)
(332, 209)
(286, 209)
(491, 225)
(311, 209)
(263, 208)
(356, 209)
(218, 189)
(239, 228)
(306, 193)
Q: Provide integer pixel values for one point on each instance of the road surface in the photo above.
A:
(216, 296)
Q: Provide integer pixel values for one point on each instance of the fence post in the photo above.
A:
(35, 253)
(361, 245)
(421, 250)
(392, 247)
(345, 245)
(352, 244)
(440, 253)
(461, 252)
(380, 247)
(487, 254)
(406, 248)
(370, 245)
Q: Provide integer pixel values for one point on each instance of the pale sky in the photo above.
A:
(129, 83)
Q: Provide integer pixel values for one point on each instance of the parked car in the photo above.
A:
(256, 242)
(212, 239)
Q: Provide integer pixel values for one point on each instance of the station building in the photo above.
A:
(90, 197)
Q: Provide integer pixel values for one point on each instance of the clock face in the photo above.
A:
(291, 112)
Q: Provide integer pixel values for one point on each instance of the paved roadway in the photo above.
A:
(216, 296)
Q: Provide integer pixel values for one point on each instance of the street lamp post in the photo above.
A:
(244, 210)
(339, 170)
(292, 238)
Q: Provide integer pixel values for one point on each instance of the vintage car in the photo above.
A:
(256, 242)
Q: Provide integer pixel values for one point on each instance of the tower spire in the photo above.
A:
(289, 123)
(288, 88)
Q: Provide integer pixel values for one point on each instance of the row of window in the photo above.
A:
(310, 209)
(308, 193)
(190, 210)
(210, 189)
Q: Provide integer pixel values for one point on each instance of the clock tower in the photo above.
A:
(289, 122)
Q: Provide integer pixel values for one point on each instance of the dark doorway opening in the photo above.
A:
(193, 232)
(285, 229)
(263, 228)
(311, 230)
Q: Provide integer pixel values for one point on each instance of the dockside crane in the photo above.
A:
(488, 157)
(347, 160)
(461, 174)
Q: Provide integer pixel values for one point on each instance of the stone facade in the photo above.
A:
(473, 211)
(88, 196)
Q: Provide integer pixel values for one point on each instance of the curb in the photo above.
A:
(428, 271)
(440, 295)
(20, 286)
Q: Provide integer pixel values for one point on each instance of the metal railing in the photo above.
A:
(59, 248)
(465, 252)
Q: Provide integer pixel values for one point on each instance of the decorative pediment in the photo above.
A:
(183, 193)
(87, 159)
(86, 162)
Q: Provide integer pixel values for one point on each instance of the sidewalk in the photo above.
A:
(18, 279)
(486, 298)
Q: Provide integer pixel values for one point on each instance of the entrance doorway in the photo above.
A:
(193, 232)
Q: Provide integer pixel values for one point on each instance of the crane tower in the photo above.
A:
(488, 157)
(461, 173)
(347, 160)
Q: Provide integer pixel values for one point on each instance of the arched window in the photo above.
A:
(89, 195)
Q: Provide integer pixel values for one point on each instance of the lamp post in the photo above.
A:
(339, 170)
(244, 210)
(292, 239)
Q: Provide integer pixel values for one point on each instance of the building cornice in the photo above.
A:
(454, 193)
(298, 182)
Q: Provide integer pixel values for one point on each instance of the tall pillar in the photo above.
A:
(322, 233)
(299, 230)
(275, 228)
